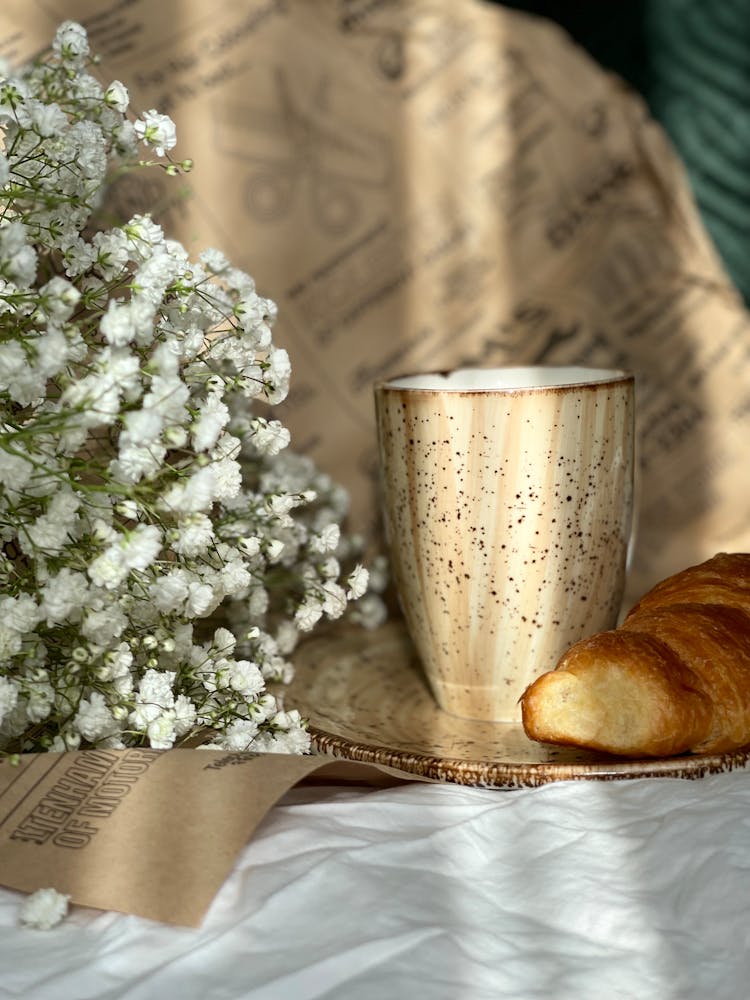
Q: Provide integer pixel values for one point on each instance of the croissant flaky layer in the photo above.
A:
(674, 677)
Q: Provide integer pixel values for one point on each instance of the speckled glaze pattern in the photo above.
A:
(508, 518)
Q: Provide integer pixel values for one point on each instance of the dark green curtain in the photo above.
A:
(690, 59)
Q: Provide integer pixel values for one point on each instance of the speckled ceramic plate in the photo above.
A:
(366, 700)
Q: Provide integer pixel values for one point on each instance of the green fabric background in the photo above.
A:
(690, 59)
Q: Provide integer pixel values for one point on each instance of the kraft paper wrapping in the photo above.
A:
(418, 184)
(149, 832)
(423, 183)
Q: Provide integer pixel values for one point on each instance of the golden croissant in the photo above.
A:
(674, 677)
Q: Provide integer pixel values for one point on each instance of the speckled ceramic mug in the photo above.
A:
(507, 500)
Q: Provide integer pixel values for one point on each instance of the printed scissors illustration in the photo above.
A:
(425, 23)
(305, 148)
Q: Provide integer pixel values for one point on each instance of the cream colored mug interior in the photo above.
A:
(507, 379)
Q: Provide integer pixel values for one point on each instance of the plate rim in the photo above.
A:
(518, 774)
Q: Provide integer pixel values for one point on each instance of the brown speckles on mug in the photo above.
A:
(508, 517)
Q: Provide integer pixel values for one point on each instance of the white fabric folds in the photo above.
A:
(633, 889)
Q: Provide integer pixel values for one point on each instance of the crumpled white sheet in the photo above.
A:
(634, 889)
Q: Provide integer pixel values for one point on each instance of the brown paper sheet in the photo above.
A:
(422, 183)
(418, 184)
(149, 832)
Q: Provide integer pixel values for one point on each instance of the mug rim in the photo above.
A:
(586, 379)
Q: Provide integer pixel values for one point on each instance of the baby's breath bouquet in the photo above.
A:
(142, 492)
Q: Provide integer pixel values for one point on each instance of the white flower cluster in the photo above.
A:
(44, 909)
(140, 490)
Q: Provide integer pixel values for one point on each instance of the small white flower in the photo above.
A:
(128, 508)
(287, 720)
(250, 546)
(193, 495)
(224, 641)
(200, 600)
(18, 259)
(15, 471)
(239, 735)
(142, 546)
(176, 436)
(105, 625)
(71, 740)
(44, 119)
(295, 740)
(161, 731)
(281, 503)
(96, 400)
(52, 352)
(330, 568)
(117, 324)
(144, 236)
(257, 602)
(63, 596)
(308, 614)
(185, 714)
(170, 591)
(195, 534)
(157, 131)
(274, 550)
(71, 43)
(20, 613)
(227, 447)
(8, 697)
(78, 255)
(119, 662)
(39, 697)
(250, 311)
(334, 600)
(59, 297)
(94, 721)
(111, 258)
(109, 569)
(142, 427)
(136, 462)
(124, 139)
(157, 271)
(121, 366)
(246, 679)
(50, 531)
(326, 540)
(269, 436)
(214, 260)
(235, 576)
(156, 688)
(357, 582)
(211, 421)
(287, 637)
(370, 611)
(44, 909)
(12, 362)
(279, 371)
(116, 96)
(11, 643)
(227, 479)
(102, 530)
